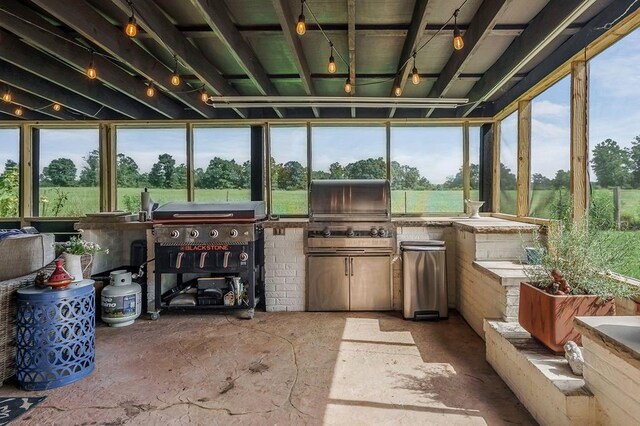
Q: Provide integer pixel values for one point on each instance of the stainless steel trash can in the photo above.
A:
(424, 278)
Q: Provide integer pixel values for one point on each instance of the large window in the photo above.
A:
(289, 170)
(9, 171)
(614, 144)
(222, 163)
(550, 152)
(153, 158)
(349, 152)
(426, 169)
(69, 169)
(508, 163)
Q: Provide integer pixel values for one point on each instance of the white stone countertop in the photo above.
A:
(619, 334)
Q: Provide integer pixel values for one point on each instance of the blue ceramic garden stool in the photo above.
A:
(55, 336)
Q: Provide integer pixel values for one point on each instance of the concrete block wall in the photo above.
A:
(285, 270)
(415, 233)
(542, 381)
(614, 382)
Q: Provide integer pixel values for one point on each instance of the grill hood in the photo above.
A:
(349, 200)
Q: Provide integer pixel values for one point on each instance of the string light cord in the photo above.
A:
(610, 25)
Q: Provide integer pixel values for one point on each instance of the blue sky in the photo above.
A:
(436, 152)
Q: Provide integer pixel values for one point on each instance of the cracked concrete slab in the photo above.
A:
(284, 368)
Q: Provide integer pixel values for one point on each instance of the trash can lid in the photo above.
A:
(423, 243)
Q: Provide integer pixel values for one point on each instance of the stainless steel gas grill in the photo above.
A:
(349, 246)
(214, 251)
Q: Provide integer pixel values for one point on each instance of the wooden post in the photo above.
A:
(26, 183)
(495, 192)
(190, 163)
(108, 169)
(524, 157)
(579, 184)
(466, 165)
(617, 204)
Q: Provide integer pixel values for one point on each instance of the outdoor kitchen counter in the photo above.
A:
(619, 334)
(119, 226)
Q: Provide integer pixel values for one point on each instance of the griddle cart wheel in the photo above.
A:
(248, 314)
(154, 316)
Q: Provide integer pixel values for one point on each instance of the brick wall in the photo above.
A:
(285, 270)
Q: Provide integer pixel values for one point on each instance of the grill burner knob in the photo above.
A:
(382, 232)
(350, 232)
(174, 234)
(326, 232)
(194, 233)
(233, 233)
(243, 257)
(213, 233)
(374, 232)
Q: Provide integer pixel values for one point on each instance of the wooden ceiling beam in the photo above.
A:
(217, 17)
(351, 37)
(287, 20)
(17, 77)
(543, 28)
(480, 27)
(17, 18)
(92, 26)
(27, 114)
(28, 58)
(155, 23)
(44, 106)
(411, 42)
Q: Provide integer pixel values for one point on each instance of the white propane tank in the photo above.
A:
(121, 301)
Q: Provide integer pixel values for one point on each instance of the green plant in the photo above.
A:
(131, 203)
(585, 257)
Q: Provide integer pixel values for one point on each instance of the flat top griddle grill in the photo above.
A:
(194, 212)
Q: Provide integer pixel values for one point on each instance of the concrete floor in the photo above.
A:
(284, 368)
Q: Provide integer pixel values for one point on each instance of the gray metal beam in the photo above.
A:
(543, 28)
(27, 114)
(91, 25)
(38, 104)
(217, 17)
(351, 36)
(288, 30)
(414, 35)
(17, 18)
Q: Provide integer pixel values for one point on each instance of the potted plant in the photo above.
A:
(78, 255)
(573, 278)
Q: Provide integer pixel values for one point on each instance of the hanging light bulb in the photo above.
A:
(458, 42)
(132, 27)
(19, 111)
(332, 68)
(397, 90)
(204, 96)
(91, 69)
(6, 96)
(347, 85)
(415, 77)
(175, 78)
(301, 27)
(151, 91)
(56, 106)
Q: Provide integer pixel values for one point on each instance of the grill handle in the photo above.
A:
(346, 267)
(202, 215)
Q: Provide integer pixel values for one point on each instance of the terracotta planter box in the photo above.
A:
(549, 318)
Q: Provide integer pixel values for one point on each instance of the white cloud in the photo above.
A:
(545, 108)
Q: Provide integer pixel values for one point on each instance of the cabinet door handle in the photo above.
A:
(352, 266)
(346, 267)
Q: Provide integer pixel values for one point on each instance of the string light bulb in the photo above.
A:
(175, 78)
(132, 26)
(204, 96)
(415, 77)
(6, 96)
(397, 90)
(332, 67)
(458, 41)
(347, 85)
(301, 26)
(151, 91)
(19, 111)
(56, 107)
(91, 69)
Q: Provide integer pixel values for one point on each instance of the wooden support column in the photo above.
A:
(26, 174)
(190, 164)
(524, 157)
(466, 163)
(495, 193)
(579, 182)
(108, 169)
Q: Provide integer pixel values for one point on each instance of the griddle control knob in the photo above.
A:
(243, 257)
(326, 232)
(382, 232)
(174, 234)
(213, 233)
(374, 232)
(194, 233)
(233, 233)
(350, 232)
